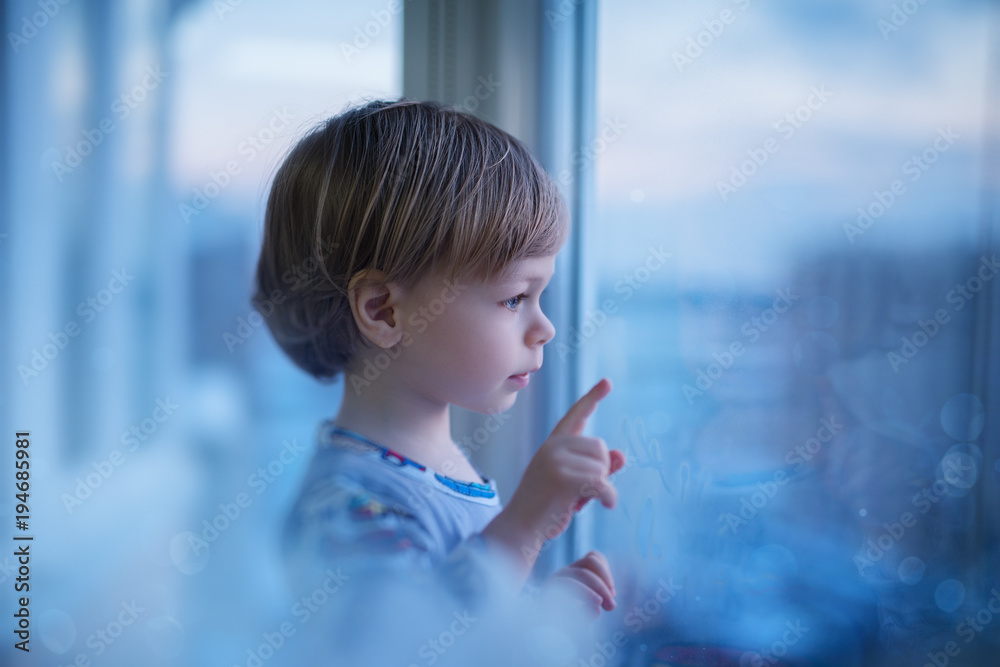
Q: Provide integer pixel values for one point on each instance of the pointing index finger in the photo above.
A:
(575, 418)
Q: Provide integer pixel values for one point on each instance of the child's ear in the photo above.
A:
(376, 307)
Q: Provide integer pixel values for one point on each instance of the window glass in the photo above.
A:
(790, 292)
(169, 432)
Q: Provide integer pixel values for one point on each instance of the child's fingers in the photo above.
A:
(597, 563)
(593, 583)
(617, 463)
(606, 492)
(601, 489)
(576, 417)
(617, 460)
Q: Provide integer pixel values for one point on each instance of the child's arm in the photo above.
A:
(566, 471)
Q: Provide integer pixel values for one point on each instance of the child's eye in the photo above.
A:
(516, 299)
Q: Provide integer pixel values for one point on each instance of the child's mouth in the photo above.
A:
(521, 379)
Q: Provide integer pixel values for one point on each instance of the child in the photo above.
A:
(432, 234)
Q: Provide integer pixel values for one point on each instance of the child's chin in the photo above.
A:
(492, 407)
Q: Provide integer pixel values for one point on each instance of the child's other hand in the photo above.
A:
(567, 471)
(590, 580)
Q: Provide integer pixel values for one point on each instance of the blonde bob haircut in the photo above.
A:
(411, 189)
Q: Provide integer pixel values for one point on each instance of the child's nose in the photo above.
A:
(545, 332)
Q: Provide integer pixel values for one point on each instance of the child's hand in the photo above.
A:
(589, 579)
(566, 472)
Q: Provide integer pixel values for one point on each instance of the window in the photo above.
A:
(792, 276)
(139, 137)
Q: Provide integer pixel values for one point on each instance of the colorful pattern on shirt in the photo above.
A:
(485, 491)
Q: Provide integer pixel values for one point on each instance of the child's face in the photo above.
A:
(467, 340)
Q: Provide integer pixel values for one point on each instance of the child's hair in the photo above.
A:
(408, 188)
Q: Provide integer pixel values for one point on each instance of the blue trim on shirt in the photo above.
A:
(471, 489)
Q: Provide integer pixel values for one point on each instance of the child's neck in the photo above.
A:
(413, 429)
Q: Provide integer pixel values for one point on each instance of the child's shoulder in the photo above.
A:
(340, 482)
(357, 498)
(345, 508)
